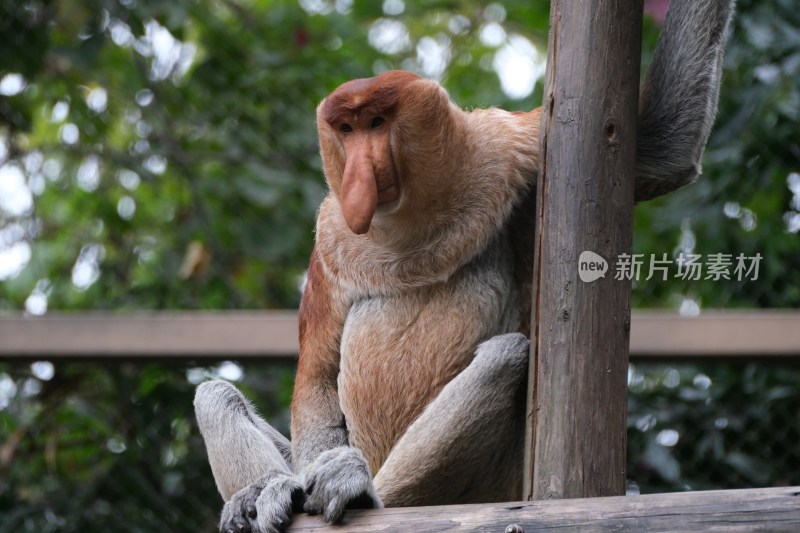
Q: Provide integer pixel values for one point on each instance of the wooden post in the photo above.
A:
(579, 357)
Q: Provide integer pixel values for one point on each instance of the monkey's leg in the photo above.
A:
(241, 446)
(467, 445)
(250, 460)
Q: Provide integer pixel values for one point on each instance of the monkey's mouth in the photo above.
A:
(388, 194)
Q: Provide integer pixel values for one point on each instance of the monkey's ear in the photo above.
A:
(332, 152)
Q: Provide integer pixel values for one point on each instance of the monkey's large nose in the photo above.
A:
(359, 192)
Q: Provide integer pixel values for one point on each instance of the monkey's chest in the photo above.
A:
(399, 351)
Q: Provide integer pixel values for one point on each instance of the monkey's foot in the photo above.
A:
(264, 506)
(339, 479)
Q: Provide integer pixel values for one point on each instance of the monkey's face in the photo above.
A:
(356, 124)
(370, 179)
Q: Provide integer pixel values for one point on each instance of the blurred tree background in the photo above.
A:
(162, 155)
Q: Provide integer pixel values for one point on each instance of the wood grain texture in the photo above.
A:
(749, 510)
(579, 357)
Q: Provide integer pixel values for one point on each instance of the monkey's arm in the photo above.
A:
(335, 475)
(317, 420)
(678, 100)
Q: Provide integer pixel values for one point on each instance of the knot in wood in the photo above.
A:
(514, 528)
(610, 130)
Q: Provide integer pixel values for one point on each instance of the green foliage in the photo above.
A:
(170, 151)
(113, 446)
(710, 427)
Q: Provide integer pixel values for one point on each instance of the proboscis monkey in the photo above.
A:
(411, 379)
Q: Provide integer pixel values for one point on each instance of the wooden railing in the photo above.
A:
(655, 335)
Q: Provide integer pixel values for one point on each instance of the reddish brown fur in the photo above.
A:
(366, 174)
(321, 320)
(365, 96)
(319, 328)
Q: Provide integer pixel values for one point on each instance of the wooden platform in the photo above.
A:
(774, 510)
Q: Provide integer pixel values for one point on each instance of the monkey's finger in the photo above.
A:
(236, 526)
(276, 520)
(312, 506)
(334, 510)
(284, 520)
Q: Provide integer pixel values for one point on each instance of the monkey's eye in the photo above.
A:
(377, 121)
(346, 128)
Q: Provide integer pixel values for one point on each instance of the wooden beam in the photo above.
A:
(773, 509)
(746, 334)
(580, 327)
(751, 335)
(230, 334)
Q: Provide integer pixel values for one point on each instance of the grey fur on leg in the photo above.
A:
(678, 101)
(339, 479)
(250, 461)
(467, 444)
(241, 446)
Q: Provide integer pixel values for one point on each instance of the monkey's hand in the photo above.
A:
(264, 506)
(339, 479)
